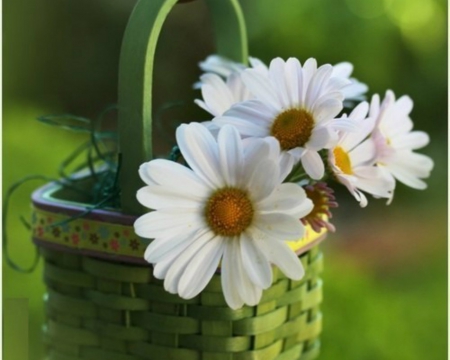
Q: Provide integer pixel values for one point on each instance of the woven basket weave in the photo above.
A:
(97, 309)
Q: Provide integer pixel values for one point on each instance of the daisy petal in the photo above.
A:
(360, 112)
(303, 209)
(161, 268)
(287, 162)
(340, 84)
(326, 110)
(350, 140)
(258, 64)
(403, 106)
(145, 175)
(286, 198)
(162, 247)
(237, 88)
(278, 78)
(228, 276)
(363, 154)
(200, 151)
(413, 140)
(280, 226)
(249, 292)
(212, 128)
(231, 155)
(344, 125)
(361, 198)
(260, 86)
(178, 267)
(167, 223)
(214, 104)
(308, 70)
(201, 268)
(377, 185)
(313, 164)
(253, 111)
(354, 91)
(408, 167)
(162, 197)
(255, 149)
(293, 68)
(170, 174)
(216, 94)
(255, 263)
(284, 159)
(220, 65)
(407, 178)
(342, 69)
(279, 253)
(419, 163)
(205, 107)
(259, 184)
(320, 139)
(374, 106)
(245, 128)
(318, 81)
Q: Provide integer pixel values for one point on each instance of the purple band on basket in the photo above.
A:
(43, 200)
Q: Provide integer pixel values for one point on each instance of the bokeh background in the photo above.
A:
(385, 293)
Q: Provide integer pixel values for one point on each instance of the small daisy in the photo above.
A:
(228, 207)
(296, 105)
(222, 85)
(395, 141)
(352, 160)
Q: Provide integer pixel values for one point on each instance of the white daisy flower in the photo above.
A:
(296, 105)
(395, 141)
(224, 67)
(222, 86)
(228, 207)
(352, 160)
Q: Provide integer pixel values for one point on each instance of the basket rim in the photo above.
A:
(48, 202)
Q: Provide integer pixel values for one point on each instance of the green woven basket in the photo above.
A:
(102, 301)
(98, 309)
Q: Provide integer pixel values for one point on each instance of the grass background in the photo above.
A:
(385, 278)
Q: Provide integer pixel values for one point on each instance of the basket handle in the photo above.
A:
(135, 80)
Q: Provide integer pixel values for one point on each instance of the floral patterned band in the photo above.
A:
(93, 236)
(111, 240)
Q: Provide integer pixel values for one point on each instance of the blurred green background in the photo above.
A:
(385, 293)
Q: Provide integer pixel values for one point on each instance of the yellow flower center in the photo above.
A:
(292, 128)
(342, 160)
(229, 212)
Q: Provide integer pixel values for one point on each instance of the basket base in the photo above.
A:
(99, 309)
